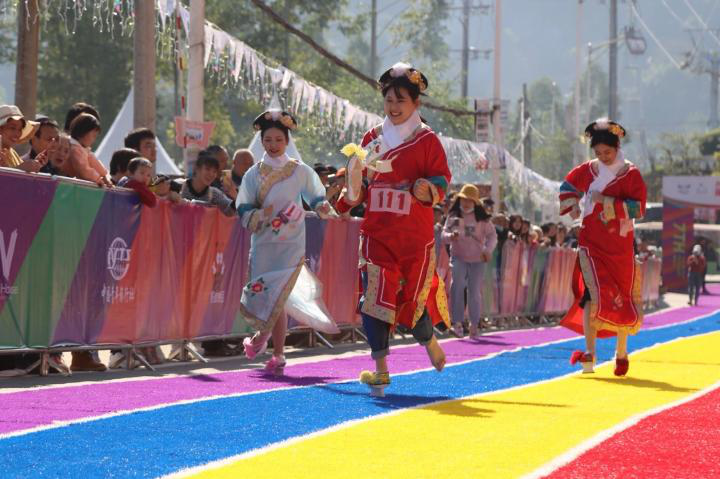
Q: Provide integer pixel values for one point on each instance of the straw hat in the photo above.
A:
(470, 192)
(11, 112)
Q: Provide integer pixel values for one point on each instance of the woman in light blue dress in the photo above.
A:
(269, 204)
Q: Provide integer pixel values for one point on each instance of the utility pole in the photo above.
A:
(612, 83)
(26, 67)
(196, 72)
(577, 147)
(373, 39)
(714, 72)
(466, 47)
(497, 105)
(527, 138)
(144, 65)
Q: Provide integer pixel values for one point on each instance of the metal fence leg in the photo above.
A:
(142, 359)
(360, 333)
(323, 340)
(190, 348)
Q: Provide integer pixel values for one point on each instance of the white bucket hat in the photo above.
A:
(11, 112)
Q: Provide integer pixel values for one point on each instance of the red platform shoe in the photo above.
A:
(621, 366)
(586, 359)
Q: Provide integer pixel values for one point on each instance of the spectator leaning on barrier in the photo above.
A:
(58, 157)
(119, 163)
(45, 138)
(199, 187)
(138, 179)
(16, 130)
(77, 109)
(83, 164)
(143, 141)
(472, 240)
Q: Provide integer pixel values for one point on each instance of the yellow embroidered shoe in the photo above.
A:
(377, 382)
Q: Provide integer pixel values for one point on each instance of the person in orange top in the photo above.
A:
(83, 164)
(696, 265)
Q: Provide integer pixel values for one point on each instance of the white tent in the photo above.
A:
(115, 139)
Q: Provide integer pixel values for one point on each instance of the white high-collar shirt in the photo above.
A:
(395, 135)
(606, 173)
(275, 162)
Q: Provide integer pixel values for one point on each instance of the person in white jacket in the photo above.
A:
(472, 238)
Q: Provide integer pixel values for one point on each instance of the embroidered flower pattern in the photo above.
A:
(256, 288)
(276, 224)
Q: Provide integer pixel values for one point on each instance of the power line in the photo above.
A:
(702, 22)
(343, 64)
(655, 38)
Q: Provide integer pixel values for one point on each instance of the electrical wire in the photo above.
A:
(702, 22)
(654, 37)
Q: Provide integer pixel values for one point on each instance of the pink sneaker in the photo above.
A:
(276, 366)
(250, 349)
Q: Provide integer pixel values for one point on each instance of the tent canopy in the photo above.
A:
(115, 139)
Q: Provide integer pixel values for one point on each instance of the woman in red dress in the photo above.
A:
(405, 175)
(609, 193)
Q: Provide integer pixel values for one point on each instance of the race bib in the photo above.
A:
(388, 200)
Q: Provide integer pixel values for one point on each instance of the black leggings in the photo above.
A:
(378, 333)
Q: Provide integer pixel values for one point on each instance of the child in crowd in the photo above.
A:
(138, 179)
(472, 239)
(269, 203)
(83, 164)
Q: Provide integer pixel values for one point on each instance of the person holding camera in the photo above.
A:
(472, 238)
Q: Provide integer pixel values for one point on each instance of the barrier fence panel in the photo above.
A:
(83, 266)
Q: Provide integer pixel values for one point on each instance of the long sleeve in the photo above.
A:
(490, 236)
(632, 206)
(147, 197)
(437, 171)
(447, 232)
(219, 199)
(79, 162)
(246, 201)
(573, 189)
(313, 192)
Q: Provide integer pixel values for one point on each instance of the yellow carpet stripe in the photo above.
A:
(505, 434)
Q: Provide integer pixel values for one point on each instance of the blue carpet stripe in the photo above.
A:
(158, 442)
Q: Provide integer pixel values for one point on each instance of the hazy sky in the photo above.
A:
(539, 40)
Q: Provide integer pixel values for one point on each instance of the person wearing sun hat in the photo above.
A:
(399, 172)
(472, 238)
(15, 129)
(269, 203)
(608, 193)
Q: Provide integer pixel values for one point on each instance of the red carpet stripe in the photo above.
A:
(681, 442)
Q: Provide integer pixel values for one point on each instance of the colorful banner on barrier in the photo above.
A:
(81, 265)
(677, 242)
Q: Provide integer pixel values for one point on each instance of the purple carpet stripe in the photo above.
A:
(43, 407)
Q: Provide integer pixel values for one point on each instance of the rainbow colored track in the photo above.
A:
(507, 405)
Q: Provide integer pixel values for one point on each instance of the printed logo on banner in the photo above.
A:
(118, 264)
(7, 251)
(118, 259)
(217, 295)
